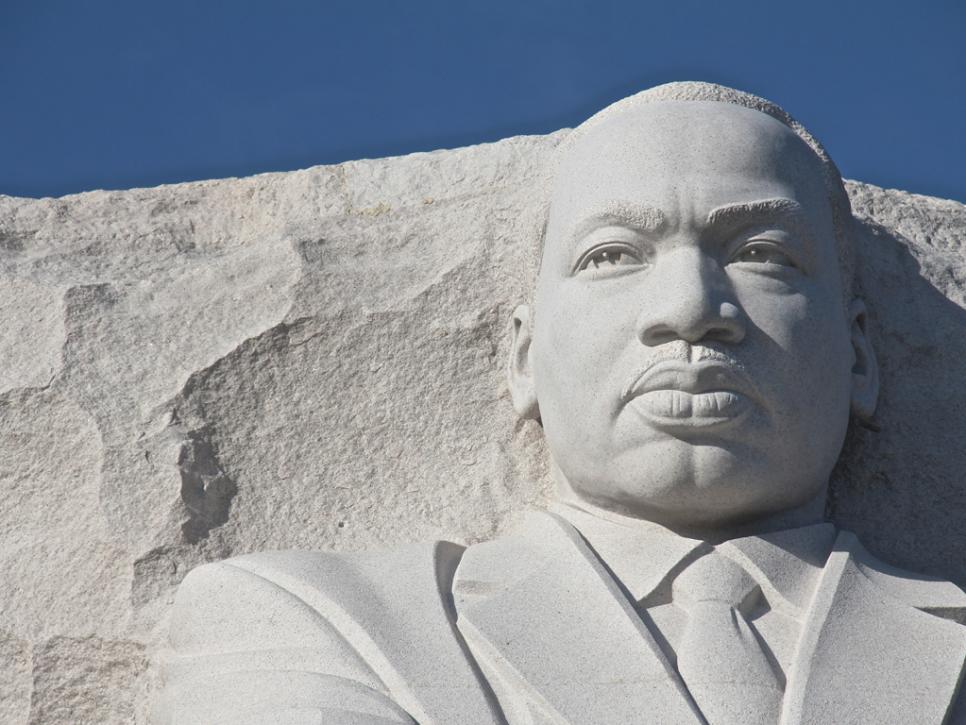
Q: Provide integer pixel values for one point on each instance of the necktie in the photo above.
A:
(719, 655)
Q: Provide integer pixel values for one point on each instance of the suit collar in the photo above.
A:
(545, 618)
(547, 621)
(867, 657)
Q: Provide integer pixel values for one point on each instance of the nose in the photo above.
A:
(694, 302)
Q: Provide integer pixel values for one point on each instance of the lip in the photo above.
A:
(678, 396)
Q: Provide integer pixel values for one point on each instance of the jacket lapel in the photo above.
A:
(564, 645)
(865, 657)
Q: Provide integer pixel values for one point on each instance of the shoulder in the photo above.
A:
(383, 621)
(291, 630)
(927, 593)
(278, 596)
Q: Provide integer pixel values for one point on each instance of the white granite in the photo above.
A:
(694, 350)
(315, 360)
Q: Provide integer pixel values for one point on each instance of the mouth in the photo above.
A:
(680, 396)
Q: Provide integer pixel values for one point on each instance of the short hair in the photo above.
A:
(699, 91)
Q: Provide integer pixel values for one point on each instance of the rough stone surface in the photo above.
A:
(315, 360)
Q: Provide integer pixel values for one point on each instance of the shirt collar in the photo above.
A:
(786, 564)
(639, 553)
(642, 554)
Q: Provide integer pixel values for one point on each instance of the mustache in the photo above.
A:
(679, 351)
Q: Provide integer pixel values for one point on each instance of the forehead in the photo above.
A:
(686, 158)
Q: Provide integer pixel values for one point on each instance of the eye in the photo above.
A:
(763, 253)
(608, 258)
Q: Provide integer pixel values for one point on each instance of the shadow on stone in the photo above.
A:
(206, 490)
(902, 488)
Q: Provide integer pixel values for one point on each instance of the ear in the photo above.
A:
(519, 372)
(865, 370)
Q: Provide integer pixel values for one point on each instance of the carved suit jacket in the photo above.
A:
(528, 628)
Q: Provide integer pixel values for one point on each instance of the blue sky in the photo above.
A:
(115, 94)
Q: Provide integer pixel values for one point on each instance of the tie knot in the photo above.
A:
(713, 578)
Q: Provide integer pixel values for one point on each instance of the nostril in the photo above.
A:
(725, 334)
(726, 326)
(659, 335)
(732, 326)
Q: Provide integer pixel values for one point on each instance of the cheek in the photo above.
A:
(579, 332)
(797, 317)
(804, 338)
(580, 341)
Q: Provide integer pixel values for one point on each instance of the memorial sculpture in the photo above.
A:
(694, 350)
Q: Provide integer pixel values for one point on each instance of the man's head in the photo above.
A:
(695, 351)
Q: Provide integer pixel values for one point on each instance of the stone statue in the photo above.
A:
(694, 351)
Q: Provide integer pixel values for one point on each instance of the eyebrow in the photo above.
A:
(755, 212)
(635, 216)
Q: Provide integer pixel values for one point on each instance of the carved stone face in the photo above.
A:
(692, 357)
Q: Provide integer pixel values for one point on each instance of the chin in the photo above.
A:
(678, 484)
(730, 506)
